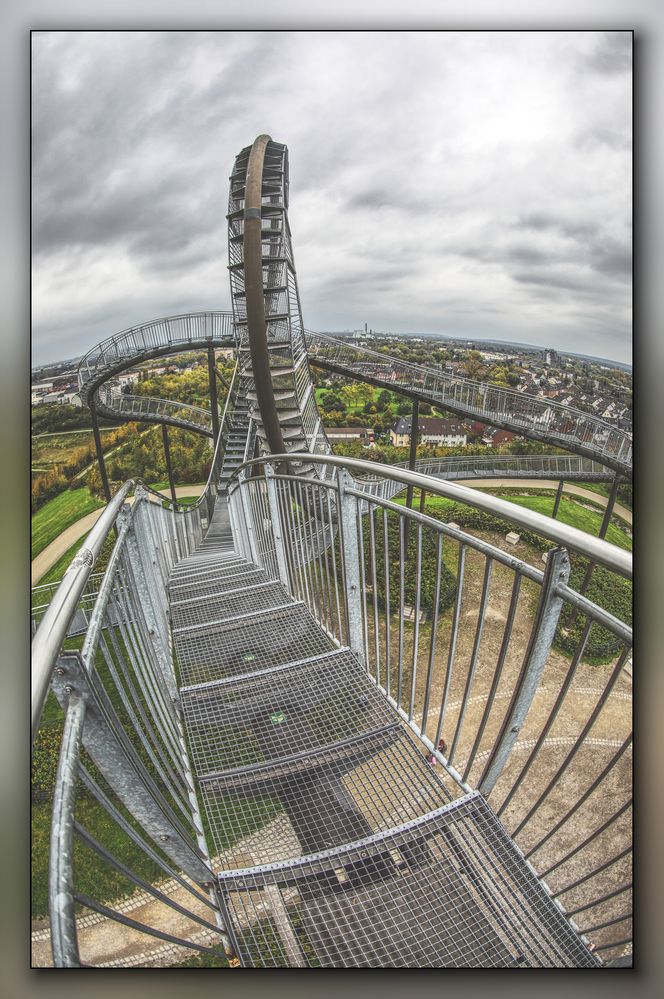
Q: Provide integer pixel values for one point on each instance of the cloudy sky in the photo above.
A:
(474, 184)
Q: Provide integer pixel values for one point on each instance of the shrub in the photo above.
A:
(612, 593)
(409, 566)
(45, 753)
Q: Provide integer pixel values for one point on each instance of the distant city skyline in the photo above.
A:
(468, 184)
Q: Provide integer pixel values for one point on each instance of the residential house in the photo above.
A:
(364, 435)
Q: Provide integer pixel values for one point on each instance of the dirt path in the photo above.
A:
(50, 555)
(618, 509)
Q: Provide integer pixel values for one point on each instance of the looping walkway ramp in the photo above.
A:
(338, 725)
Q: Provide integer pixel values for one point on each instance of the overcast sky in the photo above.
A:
(474, 184)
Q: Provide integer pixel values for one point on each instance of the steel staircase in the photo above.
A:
(364, 859)
(234, 691)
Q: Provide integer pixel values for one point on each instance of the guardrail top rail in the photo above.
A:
(571, 427)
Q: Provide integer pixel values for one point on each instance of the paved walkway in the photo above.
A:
(50, 555)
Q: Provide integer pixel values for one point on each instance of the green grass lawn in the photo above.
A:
(58, 570)
(58, 514)
(178, 485)
(569, 512)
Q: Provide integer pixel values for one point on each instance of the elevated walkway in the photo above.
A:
(361, 855)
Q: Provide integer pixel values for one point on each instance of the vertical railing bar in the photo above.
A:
(386, 548)
(314, 533)
(287, 506)
(591, 874)
(507, 634)
(350, 559)
(145, 661)
(599, 901)
(298, 537)
(374, 585)
(553, 714)
(303, 546)
(111, 859)
(579, 742)
(325, 556)
(277, 525)
(582, 799)
(589, 839)
(416, 623)
(451, 654)
(108, 711)
(334, 561)
(134, 654)
(143, 844)
(402, 565)
(537, 653)
(481, 617)
(145, 733)
(363, 582)
(434, 627)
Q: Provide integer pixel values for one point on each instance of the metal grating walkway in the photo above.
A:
(337, 844)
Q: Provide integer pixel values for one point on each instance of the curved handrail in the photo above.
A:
(52, 630)
(595, 549)
(501, 406)
(188, 331)
(541, 419)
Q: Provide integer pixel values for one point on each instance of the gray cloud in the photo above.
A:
(460, 183)
(612, 53)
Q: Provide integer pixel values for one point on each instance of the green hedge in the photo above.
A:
(428, 570)
(612, 593)
(45, 753)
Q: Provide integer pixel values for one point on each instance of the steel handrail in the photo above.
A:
(53, 628)
(597, 550)
(213, 470)
(439, 382)
(444, 378)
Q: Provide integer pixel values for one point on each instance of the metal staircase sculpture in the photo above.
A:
(327, 778)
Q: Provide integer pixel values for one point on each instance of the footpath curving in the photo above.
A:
(50, 555)
(57, 548)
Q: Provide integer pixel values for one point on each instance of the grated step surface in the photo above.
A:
(448, 890)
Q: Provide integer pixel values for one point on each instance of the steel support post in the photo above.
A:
(167, 456)
(556, 502)
(249, 522)
(100, 453)
(144, 569)
(608, 513)
(348, 519)
(273, 503)
(412, 454)
(412, 458)
(546, 622)
(64, 942)
(214, 406)
(221, 377)
(117, 760)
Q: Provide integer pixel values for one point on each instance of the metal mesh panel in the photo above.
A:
(447, 890)
(268, 639)
(320, 800)
(282, 713)
(216, 572)
(231, 603)
(212, 585)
